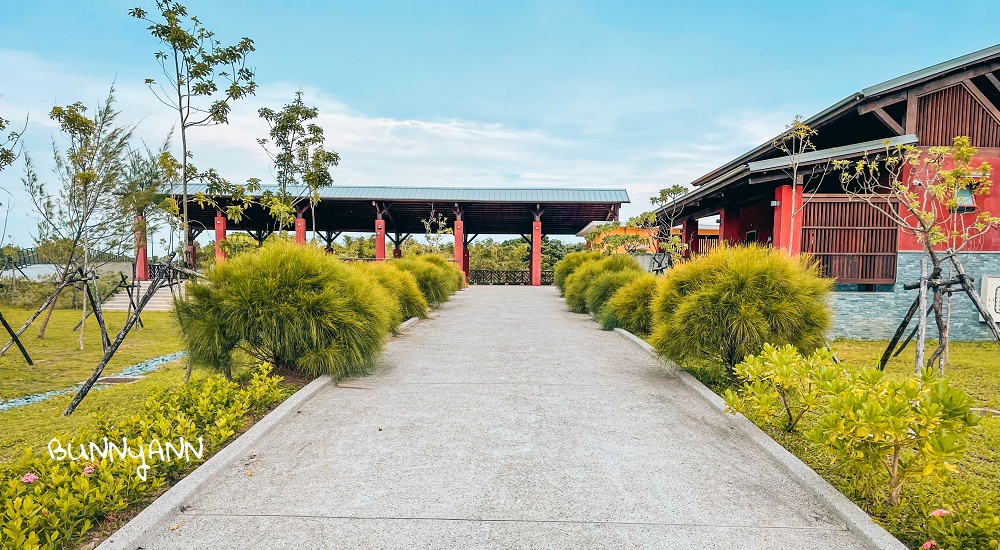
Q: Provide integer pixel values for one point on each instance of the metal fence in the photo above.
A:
(506, 277)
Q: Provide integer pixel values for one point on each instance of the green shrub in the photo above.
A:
(724, 305)
(630, 307)
(781, 385)
(604, 286)
(51, 502)
(962, 526)
(401, 285)
(566, 266)
(289, 305)
(581, 278)
(437, 278)
(897, 430)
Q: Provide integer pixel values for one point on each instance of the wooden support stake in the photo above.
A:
(910, 337)
(974, 296)
(15, 339)
(91, 292)
(922, 326)
(104, 299)
(899, 332)
(30, 320)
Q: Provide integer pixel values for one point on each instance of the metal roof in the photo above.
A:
(812, 157)
(455, 194)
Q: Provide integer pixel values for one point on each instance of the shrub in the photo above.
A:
(780, 384)
(50, 502)
(566, 266)
(963, 526)
(401, 285)
(435, 276)
(604, 286)
(895, 429)
(579, 281)
(629, 308)
(289, 305)
(723, 306)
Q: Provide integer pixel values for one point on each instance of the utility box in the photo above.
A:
(990, 294)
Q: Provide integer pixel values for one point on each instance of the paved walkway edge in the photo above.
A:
(170, 502)
(857, 521)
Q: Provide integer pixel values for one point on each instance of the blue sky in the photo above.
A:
(638, 95)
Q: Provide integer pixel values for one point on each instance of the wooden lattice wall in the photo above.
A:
(853, 241)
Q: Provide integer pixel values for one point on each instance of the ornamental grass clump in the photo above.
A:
(579, 281)
(570, 262)
(289, 305)
(401, 285)
(630, 307)
(436, 277)
(605, 285)
(723, 306)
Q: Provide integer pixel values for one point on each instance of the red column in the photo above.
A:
(141, 256)
(729, 226)
(300, 230)
(536, 253)
(690, 235)
(465, 261)
(788, 202)
(379, 239)
(459, 231)
(220, 237)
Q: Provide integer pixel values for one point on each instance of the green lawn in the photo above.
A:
(976, 369)
(59, 363)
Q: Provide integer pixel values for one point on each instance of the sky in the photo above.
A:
(634, 95)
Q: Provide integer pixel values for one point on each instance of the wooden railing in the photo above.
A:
(506, 277)
(854, 242)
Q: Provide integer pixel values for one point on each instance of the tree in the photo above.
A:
(9, 145)
(931, 195)
(142, 197)
(795, 142)
(299, 157)
(82, 212)
(661, 222)
(498, 256)
(195, 64)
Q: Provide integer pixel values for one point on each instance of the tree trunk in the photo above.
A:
(52, 306)
(922, 326)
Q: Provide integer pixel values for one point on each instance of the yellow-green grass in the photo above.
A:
(60, 364)
(975, 367)
(35, 424)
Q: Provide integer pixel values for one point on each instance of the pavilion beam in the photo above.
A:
(982, 100)
(888, 121)
(993, 80)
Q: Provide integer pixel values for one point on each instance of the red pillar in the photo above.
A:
(379, 239)
(141, 256)
(690, 235)
(788, 202)
(536, 253)
(459, 230)
(465, 261)
(220, 237)
(300, 230)
(729, 226)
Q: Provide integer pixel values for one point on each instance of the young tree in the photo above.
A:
(299, 157)
(930, 194)
(659, 223)
(82, 211)
(203, 78)
(9, 144)
(796, 141)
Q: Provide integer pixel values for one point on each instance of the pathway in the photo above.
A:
(505, 422)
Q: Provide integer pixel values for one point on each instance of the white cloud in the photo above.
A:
(380, 150)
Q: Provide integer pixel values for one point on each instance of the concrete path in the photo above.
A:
(506, 422)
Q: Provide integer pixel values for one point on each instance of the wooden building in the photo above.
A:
(867, 254)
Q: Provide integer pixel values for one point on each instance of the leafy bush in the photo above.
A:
(781, 384)
(604, 286)
(963, 526)
(570, 262)
(897, 429)
(50, 502)
(724, 305)
(401, 285)
(630, 307)
(580, 280)
(289, 305)
(437, 278)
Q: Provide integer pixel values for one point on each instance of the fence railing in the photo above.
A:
(506, 277)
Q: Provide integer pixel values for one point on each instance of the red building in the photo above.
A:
(864, 250)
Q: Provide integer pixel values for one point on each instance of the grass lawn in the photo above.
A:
(59, 363)
(976, 369)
